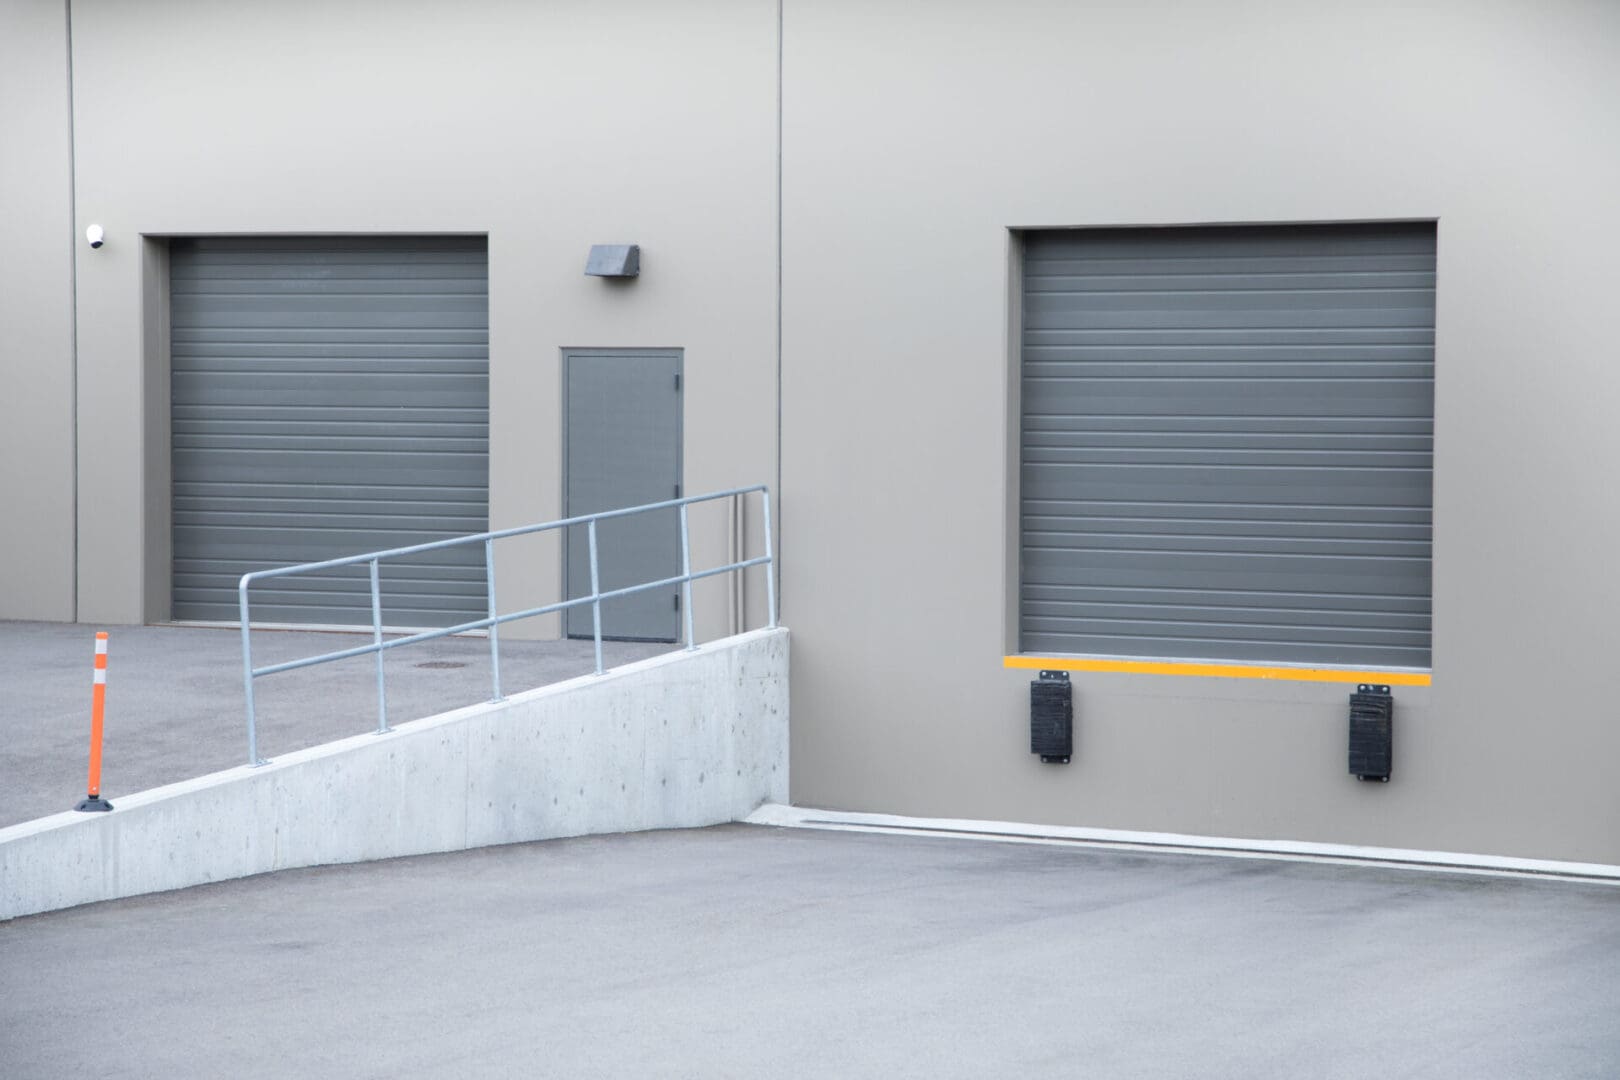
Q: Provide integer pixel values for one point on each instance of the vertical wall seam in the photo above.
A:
(776, 565)
(73, 310)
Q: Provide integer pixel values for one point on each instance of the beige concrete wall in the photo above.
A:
(915, 142)
(547, 127)
(36, 314)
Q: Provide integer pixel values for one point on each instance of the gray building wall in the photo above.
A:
(546, 127)
(36, 314)
(915, 142)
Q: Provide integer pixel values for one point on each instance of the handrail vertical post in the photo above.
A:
(494, 628)
(596, 598)
(247, 673)
(738, 579)
(376, 639)
(686, 586)
(770, 554)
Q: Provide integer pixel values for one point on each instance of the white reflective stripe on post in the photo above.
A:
(101, 646)
(101, 673)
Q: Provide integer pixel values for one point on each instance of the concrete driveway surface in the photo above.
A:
(744, 951)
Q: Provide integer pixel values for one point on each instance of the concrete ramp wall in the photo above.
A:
(681, 740)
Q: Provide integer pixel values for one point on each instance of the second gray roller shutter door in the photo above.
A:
(1227, 443)
(330, 397)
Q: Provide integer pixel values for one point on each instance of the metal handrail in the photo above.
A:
(378, 645)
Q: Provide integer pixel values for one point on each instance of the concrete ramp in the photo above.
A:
(676, 741)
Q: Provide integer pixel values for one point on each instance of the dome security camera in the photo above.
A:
(95, 235)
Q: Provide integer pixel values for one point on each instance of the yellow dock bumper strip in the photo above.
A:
(1217, 671)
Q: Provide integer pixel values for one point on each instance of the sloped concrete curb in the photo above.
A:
(1022, 832)
(681, 740)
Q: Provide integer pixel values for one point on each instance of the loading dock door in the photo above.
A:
(1228, 443)
(623, 448)
(330, 397)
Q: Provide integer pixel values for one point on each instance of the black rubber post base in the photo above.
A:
(94, 802)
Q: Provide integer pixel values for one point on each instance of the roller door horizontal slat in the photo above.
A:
(1228, 442)
(1222, 426)
(256, 489)
(1252, 599)
(336, 600)
(320, 442)
(1230, 510)
(1126, 368)
(1269, 616)
(324, 359)
(306, 542)
(425, 470)
(1248, 630)
(1348, 532)
(428, 581)
(1111, 279)
(1071, 398)
(394, 615)
(436, 288)
(1233, 321)
(452, 418)
(1227, 244)
(434, 525)
(1233, 542)
(330, 397)
(293, 335)
(1234, 573)
(1278, 457)
(314, 507)
(1260, 650)
(1373, 488)
(425, 580)
(304, 395)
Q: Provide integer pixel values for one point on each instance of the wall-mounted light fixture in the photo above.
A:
(614, 261)
(96, 235)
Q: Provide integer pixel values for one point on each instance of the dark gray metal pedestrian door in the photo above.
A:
(623, 428)
(1228, 443)
(330, 397)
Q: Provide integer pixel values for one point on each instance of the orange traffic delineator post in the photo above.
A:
(98, 705)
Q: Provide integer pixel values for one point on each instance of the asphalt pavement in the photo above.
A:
(745, 951)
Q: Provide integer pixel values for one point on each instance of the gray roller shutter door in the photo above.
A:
(1227, 443)
(330, 397)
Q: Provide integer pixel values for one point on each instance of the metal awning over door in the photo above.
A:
(330, 397)
(1227, 443)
